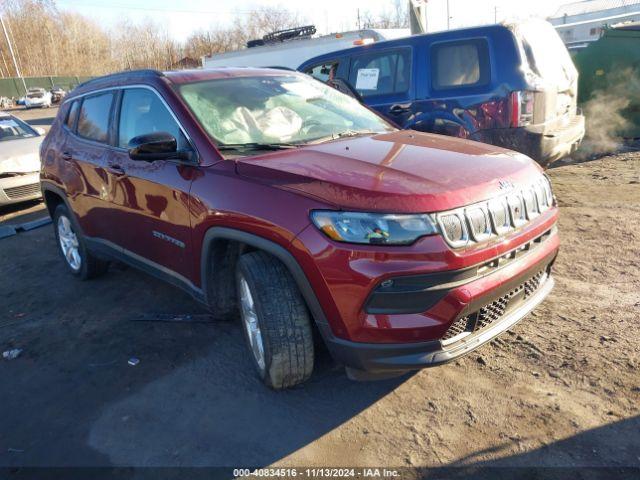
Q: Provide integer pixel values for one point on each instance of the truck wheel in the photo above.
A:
(275, 321)
(80, 262)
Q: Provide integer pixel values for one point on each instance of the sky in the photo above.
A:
(181, 18)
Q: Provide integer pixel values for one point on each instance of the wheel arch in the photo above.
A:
(247, 241)
(54, 196)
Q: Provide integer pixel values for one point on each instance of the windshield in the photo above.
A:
(13, 129)
(277, 110)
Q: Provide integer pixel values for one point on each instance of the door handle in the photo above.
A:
(116, 170)
(399, 108)
(66, 156)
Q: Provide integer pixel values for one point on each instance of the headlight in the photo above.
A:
(373, 228)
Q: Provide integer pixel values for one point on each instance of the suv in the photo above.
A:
(513, 85)
(266, 193)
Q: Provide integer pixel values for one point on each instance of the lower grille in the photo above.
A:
(494, 311)
(23, 191)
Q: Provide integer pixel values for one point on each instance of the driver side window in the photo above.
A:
(142, 112)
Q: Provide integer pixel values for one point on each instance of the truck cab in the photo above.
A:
(510, 85)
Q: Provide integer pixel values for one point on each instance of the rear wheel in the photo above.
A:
(275, 320)
(77, 258)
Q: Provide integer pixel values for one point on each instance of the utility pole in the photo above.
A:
(418, 16)
(13, 56)
(359, 27)
(495, 14)
(448, 17)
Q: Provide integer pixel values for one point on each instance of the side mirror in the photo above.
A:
(40, 130)
(157, 146)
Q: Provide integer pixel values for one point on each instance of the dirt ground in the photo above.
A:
(560, 390)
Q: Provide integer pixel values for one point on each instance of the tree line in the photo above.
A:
(48, 40)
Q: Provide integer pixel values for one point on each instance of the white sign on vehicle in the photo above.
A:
(367, 79)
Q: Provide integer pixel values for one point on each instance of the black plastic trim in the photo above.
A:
(111, 251)
(373, 359)
(418, 293)
(277, 251)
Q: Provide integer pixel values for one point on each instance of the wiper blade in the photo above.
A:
(256, 146)
(346, 133)
(355, 133)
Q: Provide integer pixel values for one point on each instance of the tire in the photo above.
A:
(282, 318)
(82, 264)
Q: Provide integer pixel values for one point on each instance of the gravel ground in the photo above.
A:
(561, 389)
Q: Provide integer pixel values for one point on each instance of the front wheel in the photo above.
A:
(275, 320)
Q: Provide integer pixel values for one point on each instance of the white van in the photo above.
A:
(290, 48)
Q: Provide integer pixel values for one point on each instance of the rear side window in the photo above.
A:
(460, 64)
(93, 121)
(72, 115)
(323, 72)
(142, 112)
(381, 73)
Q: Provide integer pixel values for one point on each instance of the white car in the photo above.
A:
(19, 160)
(37, 97)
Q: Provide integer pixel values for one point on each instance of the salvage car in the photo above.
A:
(270, 196)
(19, 160)
(37, 98)
(5, 102)
(57, 94)
(511, 85)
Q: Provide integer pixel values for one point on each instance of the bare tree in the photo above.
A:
(50, 41)
(254, 25)
(394, 17)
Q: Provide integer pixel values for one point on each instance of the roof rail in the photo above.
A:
(141, 73)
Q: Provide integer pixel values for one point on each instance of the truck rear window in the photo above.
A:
(460, 64)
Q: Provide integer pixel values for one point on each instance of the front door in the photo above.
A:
(152, 197)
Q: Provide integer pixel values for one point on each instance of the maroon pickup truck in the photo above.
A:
(275, 199)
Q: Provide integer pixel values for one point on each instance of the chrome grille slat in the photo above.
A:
(496, 217)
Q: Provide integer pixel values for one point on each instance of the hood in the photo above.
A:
(21, 155)
(399, 172)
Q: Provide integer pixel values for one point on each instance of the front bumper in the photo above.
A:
(20, 188)
(369, 360)
(36, 104)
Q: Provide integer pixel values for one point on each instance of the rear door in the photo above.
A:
(151, 198)
(383, 78)
(84, 170)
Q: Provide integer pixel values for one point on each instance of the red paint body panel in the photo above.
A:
(406, 171)
(344, 276)
(271, 196)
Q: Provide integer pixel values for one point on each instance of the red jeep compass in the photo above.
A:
(270, 196)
